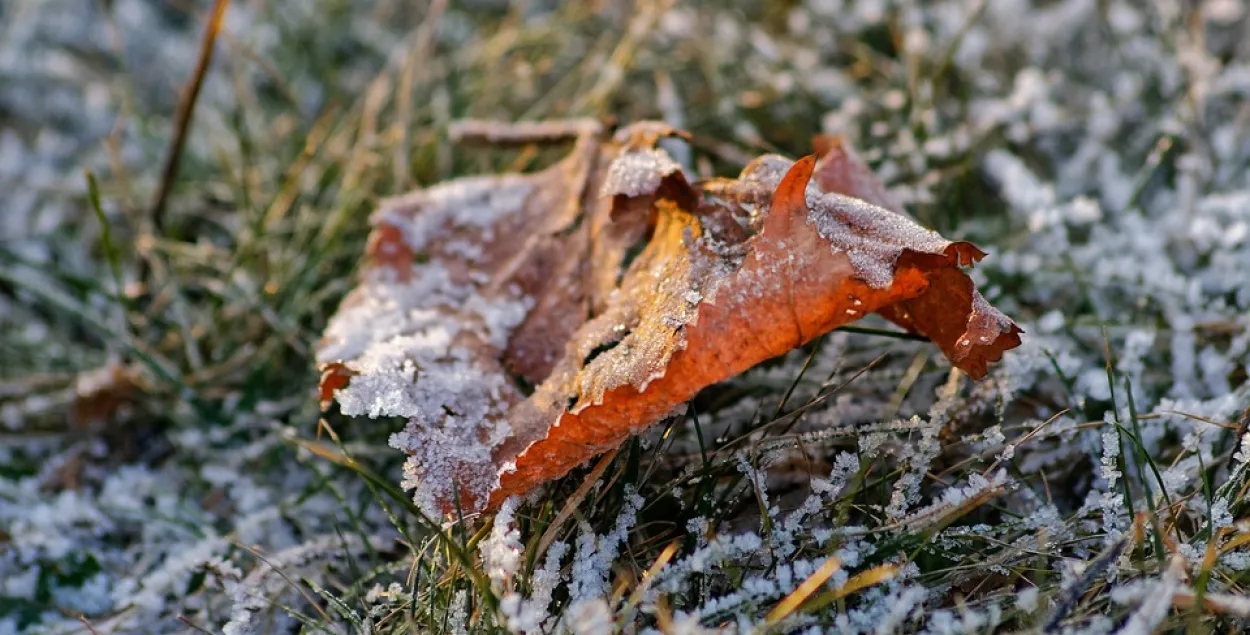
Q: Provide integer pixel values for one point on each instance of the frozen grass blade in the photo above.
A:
(457, 549)
(792, 602)
(186, 110)
(856, 583)
(1068, 598)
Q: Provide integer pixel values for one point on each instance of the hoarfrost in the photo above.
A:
(1157, 601)
(872, 237)
(589, 617)
(637, 172)
(411, 335)
(502, 550)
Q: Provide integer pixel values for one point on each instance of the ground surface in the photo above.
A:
(161, 466)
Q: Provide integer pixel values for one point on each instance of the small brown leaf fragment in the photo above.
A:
(334, 376)
(954, 315)
(522, 324)
(100, 392)
(387, 250)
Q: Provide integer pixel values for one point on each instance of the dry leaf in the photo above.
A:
(523, 324)
(98, 393)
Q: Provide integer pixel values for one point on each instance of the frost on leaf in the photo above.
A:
(522, 324)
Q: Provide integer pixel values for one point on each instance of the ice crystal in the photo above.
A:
(637, 172)
(502, 550)
(872, 237)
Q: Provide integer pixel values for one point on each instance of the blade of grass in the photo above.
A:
(860, 581)
(789, 604)
(549, 536)
(898, 335)
(106, 235)
(186, 109)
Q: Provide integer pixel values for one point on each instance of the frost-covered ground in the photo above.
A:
(162, 468)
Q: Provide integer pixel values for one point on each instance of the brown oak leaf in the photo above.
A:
(522, 324)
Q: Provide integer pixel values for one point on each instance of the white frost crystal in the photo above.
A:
(872, 237)
(411, 340)
(638, 172)
(501, 551)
